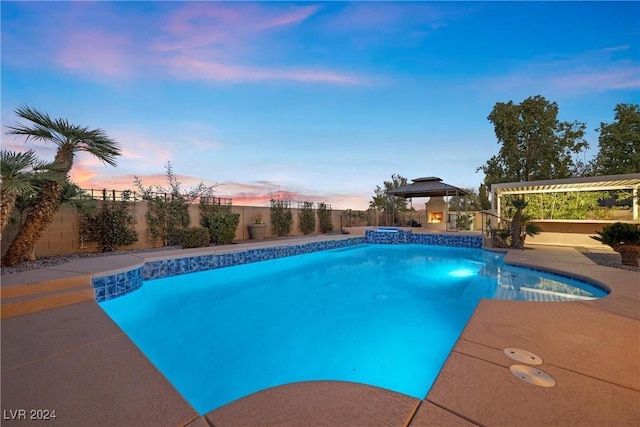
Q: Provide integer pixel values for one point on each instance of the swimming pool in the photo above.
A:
(384, 315)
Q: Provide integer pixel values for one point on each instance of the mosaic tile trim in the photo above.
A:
(407, 236)
(458, 241)
(109, 287)
(116, 285)
(172, 267)
(398, 237)
(113, 286)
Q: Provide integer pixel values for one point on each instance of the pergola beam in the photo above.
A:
(593, 183)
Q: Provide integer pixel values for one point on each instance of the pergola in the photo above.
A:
(592, 183)
(430, 186)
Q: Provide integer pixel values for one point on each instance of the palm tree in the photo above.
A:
(70, 139)
(18, 173)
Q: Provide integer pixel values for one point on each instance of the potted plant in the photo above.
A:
(623, 238)
(257, 228)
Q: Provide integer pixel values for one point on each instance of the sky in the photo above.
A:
(311, 101)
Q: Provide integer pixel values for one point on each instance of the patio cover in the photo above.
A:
(629, 181)
(430, 186)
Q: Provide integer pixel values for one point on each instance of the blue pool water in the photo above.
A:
(384, 315)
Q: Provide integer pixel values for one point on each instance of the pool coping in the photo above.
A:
(602, 374)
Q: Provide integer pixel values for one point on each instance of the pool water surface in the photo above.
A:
(383, 315)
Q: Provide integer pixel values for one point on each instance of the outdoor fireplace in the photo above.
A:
(435, 207)
(436, 217)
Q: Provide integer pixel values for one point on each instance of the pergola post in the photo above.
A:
(634, 203)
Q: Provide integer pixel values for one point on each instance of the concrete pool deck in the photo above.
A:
(73, 359)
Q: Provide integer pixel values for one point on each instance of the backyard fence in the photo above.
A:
(134, 196)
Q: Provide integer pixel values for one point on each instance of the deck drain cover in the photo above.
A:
(532, 375)
(523, 356)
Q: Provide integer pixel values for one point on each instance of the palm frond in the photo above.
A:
(62, 133)
(12, 162)
(23, 173)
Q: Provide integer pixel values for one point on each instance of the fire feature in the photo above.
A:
(436, 217)
(435, 207)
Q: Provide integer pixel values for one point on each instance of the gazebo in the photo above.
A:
(431, 187)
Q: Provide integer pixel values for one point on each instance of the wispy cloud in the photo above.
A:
(208, 41)
(372, 22)
(95, 52)
(589, 72)
(215, 41)
(194, 68)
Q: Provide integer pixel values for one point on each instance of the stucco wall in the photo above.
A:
(567, 232)
(63, 235)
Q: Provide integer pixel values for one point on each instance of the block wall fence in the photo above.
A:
(63, 235)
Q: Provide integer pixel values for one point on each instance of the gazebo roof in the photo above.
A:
(430, 186)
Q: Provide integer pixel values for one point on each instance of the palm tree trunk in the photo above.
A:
(40, 217)
(7, 203)
(630, 254)
(38, 220)
(516, 230)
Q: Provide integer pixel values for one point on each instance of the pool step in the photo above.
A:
(34, 297)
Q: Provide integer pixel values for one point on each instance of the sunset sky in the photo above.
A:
(321, 100)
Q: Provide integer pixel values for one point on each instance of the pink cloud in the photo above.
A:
(81, 175)
(243, 194)
(96, 52)
(297, 15)
(194, 40)
(190, 67)
(222, 25)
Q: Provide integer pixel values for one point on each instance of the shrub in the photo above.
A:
(111, 227)
(324, 218)
(281, 217)
(221, 223)
(623, 238)
(166, 217)
(464, 221)
(194, 237)
(307, 218)
(619, 233)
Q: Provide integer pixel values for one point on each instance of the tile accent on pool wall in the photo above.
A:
(172, 267)
(116, 285)
(460, 241)
(113, 286)
(407, 236)
(388, 237)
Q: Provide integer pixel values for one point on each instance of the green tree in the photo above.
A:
(567, 205)
(535, 144)
(619, 143)
(70, 139)
(468, 202)
(483, 197)
(376, 205)
(383, 202)
(21, 175)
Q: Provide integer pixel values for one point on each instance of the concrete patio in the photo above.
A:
(75, 360)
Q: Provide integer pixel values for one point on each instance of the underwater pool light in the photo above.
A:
(462, 272)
